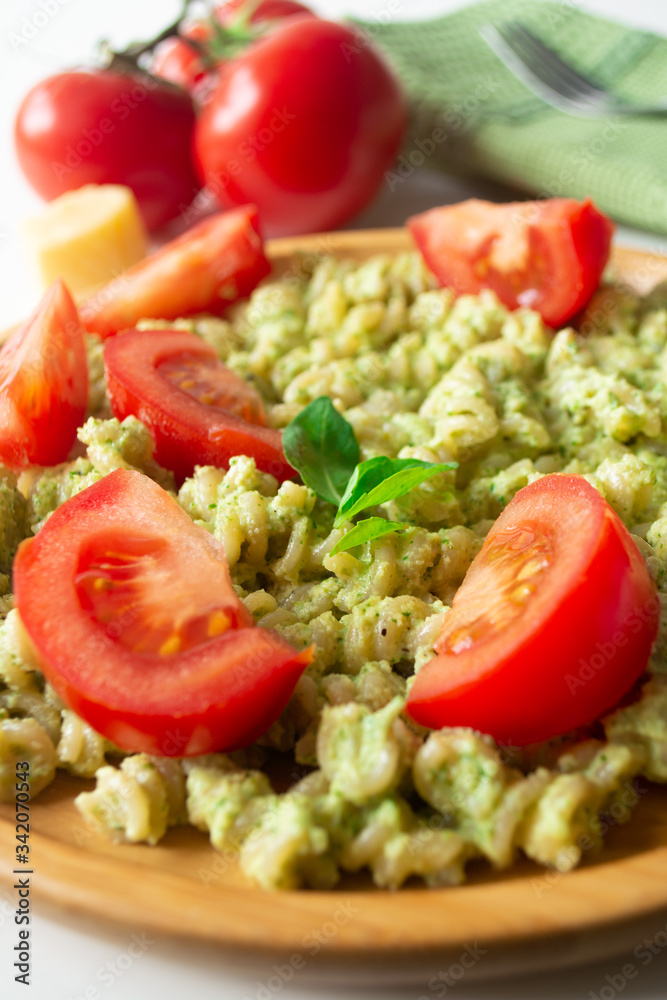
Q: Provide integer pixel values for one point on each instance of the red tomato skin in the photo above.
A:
(267, 10)
(304, 124)
(572, 239)
(219, 695)
(209, 266)
(186, 432)
(43, 384)
(591, 234)
(526, 685)
(104, 127)
(177, 61)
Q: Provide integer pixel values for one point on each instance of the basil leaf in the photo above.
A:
(365, 531)
(321, 446)
(365, 477)
(381, 479)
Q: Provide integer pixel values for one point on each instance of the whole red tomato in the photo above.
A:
(104, 127)
(303, 124)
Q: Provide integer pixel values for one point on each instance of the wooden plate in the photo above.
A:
(524, 919)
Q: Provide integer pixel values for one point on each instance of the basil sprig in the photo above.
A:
(320, 444)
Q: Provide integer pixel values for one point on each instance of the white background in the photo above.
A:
(74, 953)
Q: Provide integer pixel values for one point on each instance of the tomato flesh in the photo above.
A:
(105, 127)
(553, 624)
(43, 384)
(206, 269)
(205, 379)
(147, 640)
(544, 255)
(198, 411)
(111, 583)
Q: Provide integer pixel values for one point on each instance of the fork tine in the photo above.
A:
(541, 68)
(578, 84)
(512, 53)
(557, 83)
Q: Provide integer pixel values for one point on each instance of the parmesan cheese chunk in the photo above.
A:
(87, 236)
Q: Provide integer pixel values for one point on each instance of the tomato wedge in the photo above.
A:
(545, 255)
(198, 411)
(210, 266)
(43, 384)
(553, 624)
(147, 640)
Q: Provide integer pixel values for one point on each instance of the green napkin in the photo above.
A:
(472, 116)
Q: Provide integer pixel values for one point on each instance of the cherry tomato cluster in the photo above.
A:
(263, 103)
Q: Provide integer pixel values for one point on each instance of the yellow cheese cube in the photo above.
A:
(87, 236)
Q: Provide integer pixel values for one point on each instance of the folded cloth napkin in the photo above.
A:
(472, 116)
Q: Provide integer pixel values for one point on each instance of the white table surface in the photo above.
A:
(73, 954)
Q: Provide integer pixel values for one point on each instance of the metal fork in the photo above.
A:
(556, 82)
